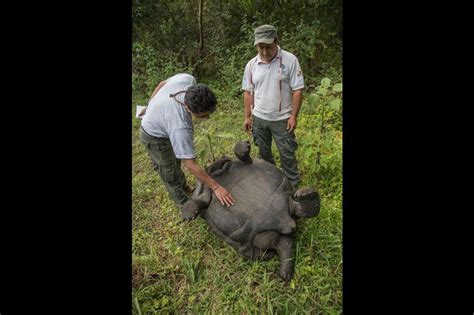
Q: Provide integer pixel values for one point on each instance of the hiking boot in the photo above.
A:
(188, 189)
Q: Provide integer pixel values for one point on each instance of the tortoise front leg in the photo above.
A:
(242, 151)
(219, 167)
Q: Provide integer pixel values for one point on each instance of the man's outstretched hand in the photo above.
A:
(224, 196)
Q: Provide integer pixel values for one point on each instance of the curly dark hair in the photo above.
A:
(200, 99)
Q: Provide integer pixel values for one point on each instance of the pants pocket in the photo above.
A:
(166, 161)
(168, 172)
(291, 143)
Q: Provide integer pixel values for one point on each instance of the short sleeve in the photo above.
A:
(296, 76)
(246, 84)
(182, 143)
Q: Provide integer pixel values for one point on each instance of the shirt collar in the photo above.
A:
(278, 55)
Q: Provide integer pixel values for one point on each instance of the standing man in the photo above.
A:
(167, 133)
(273, 90)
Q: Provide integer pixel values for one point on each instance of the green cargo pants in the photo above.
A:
(263, 131)
(167, 165)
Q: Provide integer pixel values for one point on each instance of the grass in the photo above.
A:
(184, 268)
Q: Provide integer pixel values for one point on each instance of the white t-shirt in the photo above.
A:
(166, 118)
(266, 84)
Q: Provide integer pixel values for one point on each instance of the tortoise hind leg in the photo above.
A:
(263, 254)
(254, 253)
(265, 243)
(305, 203)
(286, 250)
(285, 246)
(267, 239)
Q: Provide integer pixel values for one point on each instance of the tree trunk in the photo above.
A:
(201, 5)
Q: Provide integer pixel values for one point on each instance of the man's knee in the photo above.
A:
(265, 153)
(168, 173)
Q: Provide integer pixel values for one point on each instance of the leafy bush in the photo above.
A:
(321, 148)
(150, 67)
(165, 40)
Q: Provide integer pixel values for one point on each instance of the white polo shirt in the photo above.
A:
(266, 84)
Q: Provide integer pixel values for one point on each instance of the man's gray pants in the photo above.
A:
(166, 165)
(263, 132)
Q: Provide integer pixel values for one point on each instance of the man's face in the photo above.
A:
(202, 116)
(199, 116)
(267, 51)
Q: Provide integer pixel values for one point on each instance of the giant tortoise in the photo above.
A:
(262, 220)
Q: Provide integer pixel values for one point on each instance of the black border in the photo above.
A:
(65, 223)
(404, 229)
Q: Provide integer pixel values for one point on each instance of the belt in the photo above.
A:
(146, 132)
(143, 129)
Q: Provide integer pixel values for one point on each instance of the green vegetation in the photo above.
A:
(183, 267)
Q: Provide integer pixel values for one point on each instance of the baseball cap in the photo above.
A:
(265, 34)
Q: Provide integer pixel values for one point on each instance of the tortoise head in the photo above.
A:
(190, 210)
(200, 199)
(242, 151)
(305, 203)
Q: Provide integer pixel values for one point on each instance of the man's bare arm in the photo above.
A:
(296, 105)
(248, 98)
(221, 193)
